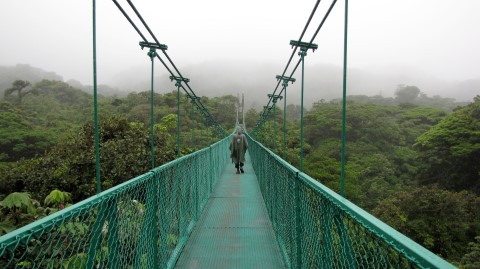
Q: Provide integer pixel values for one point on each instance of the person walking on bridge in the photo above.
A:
(238, 147)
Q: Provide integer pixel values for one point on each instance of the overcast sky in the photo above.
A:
(439, 37)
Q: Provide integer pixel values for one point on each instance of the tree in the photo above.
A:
(21, 139)
(406, 94)
(251, 118)
(223, 109)
(471, 260)
(442, 221)
(414, 121)
(450, 151)
(294, 112)
(18, 86)
(70, 165)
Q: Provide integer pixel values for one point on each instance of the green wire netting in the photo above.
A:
(317, 228)
(142, 223)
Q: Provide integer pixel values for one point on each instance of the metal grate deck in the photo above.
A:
(234, 230)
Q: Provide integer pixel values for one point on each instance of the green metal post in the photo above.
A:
(344, 103)
(152, 55)
(95, 103)
(265, 132)
(178, 119)
(267, 129)
(274, 126)
(203, 132)
(285, 84)
(193, 98)
(178, 84)
(285, 121)
(266, 126)
(302, 53)
(304, 46)
(274, 100)
(193, 126)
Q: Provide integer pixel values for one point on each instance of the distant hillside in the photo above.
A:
(216, 78)
(322, 81)
(8, 74)
(102, 89)
(32, 124)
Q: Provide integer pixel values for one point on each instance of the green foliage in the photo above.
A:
(18, 201)
(407, 97)
(9, 74)
(58, 198)
(471, 260)
(70, 166)
(47, 143)
(414, 121)
(450, 151)
(251, 118)
(18, 86)
(383, 168)
(377, 99)
(365, 122)
(18, 136)
(223, 109)
(18, 209)
(168, 124)
(32, 128)
(172, 240)
(441, 220)
(76, 262)
(406, 94)
(380, 155)
(6, 226)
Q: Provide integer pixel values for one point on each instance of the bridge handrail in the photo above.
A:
(194, 180)
(414, 253)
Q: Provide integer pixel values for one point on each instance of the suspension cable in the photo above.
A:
(313, 38)
(188, 93)
(191, 93)
(156, 40)
(323, 21)
(130, 20)
(295, 49)
(138, 31)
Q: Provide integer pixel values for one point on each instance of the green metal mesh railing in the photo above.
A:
(317, 228)
(142, 223)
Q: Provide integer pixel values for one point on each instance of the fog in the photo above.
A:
(230, 47)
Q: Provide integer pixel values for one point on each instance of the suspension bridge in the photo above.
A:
(195, 212)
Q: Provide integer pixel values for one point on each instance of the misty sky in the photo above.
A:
(438, 37)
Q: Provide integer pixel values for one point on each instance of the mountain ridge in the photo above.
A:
(322, 81)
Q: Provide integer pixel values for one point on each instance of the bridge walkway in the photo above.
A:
(234, 230)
